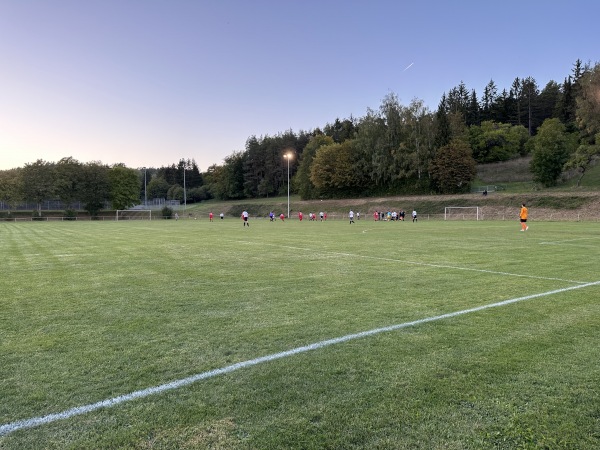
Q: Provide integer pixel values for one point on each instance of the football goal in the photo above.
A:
(462, 213)
(134, 214)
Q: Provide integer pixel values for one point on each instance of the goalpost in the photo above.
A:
(134, 214)
(462, 213)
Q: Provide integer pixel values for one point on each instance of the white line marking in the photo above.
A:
(79, 410)
(566, 241)
(417, 263)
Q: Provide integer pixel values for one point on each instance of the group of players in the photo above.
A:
(377, 215)
(322, 216)
(393, 215)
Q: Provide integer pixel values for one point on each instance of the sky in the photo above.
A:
(149, 82)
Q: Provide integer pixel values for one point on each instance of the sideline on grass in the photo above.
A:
(79, 410)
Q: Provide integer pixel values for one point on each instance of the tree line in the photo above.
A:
(98, 186)
(391, 150)
(410, 149)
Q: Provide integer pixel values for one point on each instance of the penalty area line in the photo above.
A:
(114, 401)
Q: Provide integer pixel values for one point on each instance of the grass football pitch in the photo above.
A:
(308, 335)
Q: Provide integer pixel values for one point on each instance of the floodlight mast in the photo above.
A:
(288, 156)
(184, 194)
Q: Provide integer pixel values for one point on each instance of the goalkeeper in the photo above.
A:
(523, 216)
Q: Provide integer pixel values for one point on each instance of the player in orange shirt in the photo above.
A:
(523, 216)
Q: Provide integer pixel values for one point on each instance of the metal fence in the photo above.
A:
(57, 205)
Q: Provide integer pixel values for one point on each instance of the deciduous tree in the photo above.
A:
(37, 182)
(230, 178)
(10, 187)
(552, 147)
(95, 187)
(388, 155)
(333, 170)
(453, 169)
(492, 141)
(584, 157)
(588, 121)
(67, 180)
(157, 187)
(302, 181)
(124, 186)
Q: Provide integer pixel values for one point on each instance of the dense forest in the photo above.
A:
(396, 149)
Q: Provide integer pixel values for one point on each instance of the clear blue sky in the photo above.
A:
(147, 82)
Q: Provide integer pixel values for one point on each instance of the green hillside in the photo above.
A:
(514, 176)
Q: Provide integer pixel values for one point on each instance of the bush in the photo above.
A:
(70, 214)
(167, 212)
(36, 215)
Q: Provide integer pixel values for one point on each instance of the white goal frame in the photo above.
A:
(471, 211)
(134, 214)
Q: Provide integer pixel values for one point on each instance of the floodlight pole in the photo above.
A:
(145, 192)
(184, 196)
(288, 157)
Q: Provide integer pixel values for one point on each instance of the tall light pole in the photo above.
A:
(145, 194)
(184, 196)
(288, 156)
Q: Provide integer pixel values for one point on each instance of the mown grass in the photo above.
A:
(90, 311)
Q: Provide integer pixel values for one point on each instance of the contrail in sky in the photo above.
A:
(408, 67)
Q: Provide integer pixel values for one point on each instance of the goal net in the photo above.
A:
(462, 213)
(134, 214)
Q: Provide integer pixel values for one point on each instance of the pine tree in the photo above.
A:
(473, 111)
(443, 133)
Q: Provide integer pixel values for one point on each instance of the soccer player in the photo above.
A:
(414, 215)
(210, 216)
(351, 216)
(245, 218)
(523, 216)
